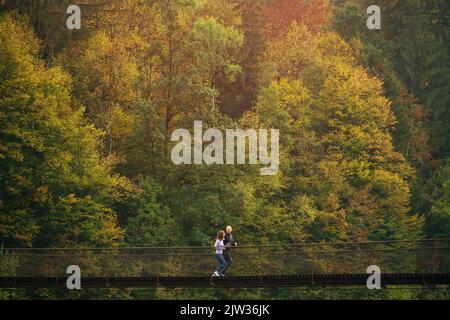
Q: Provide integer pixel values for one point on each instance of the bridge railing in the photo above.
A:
(412, 256)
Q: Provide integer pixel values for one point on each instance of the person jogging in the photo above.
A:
(219, 246)
(228, 242)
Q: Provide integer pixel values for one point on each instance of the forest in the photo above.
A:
(86, 118)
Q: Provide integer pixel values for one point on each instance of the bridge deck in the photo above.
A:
(232, 281)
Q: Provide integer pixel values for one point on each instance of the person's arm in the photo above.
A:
(232, 242)
(218, 246)
(227, 241)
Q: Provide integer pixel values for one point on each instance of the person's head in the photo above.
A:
(229, 229)
(220, 235)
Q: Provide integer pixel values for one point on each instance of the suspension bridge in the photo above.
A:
(403, 262)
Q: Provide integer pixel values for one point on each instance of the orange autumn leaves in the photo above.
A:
(280, 14)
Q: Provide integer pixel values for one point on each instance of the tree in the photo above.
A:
(214, 46)
(438, 221)
(411, 56)
(337, 129)
(153, 225)
(105, 75)
(240, 98)
(281, 13)
(50, 167)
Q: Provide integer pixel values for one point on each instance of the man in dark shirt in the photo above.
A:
(228, 242)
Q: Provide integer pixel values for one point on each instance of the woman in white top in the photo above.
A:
(218, 245)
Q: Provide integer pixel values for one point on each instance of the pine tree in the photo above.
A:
(242, 97)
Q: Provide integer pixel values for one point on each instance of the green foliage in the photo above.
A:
(212, 44)
(80, 222)
(153, 225)
(86, 118)
(337, 141)
(438, 222)
(411, 54)
(48, 152)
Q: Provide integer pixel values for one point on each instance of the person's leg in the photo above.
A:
(219, 261)
(228, 260)
(225, 257)
(219, 265)
(223, 263)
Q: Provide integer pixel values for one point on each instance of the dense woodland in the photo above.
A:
(86, 117)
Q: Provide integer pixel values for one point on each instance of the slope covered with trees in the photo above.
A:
(86, 118)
